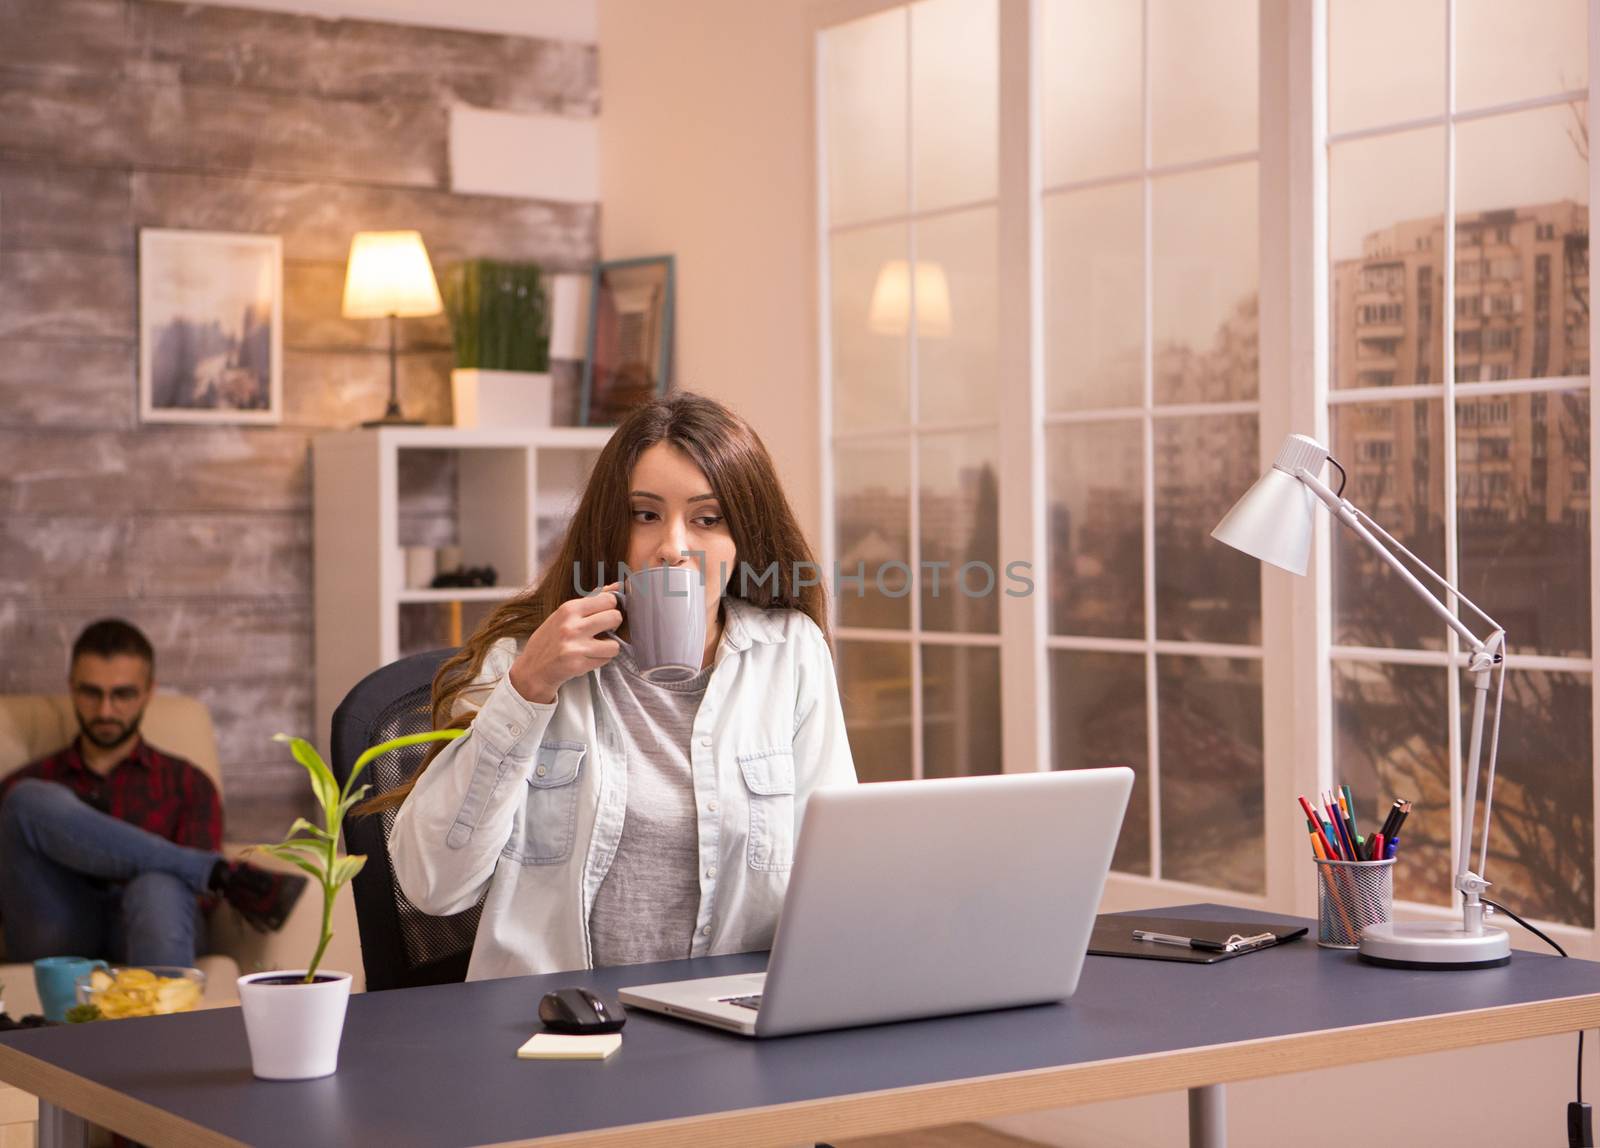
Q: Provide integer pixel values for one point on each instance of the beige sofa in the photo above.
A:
(33, 725)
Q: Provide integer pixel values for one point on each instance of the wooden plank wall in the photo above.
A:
(122, 114)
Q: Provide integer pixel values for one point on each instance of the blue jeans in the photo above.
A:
(78, 882)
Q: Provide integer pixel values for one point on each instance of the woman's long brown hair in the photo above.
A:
(735, 461)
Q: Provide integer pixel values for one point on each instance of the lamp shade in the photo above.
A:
(1273, 520)
(890, 310)
(389, 274)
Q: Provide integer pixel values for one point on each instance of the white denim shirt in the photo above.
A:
(529, 804)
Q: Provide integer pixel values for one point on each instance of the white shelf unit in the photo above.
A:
(358, 577)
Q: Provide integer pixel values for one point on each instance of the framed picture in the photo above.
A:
(629, 354)
(210, 327)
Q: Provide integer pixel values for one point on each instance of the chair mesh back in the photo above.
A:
(427, 939)
(401, 946)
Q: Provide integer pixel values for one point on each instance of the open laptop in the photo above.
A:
(921, 898)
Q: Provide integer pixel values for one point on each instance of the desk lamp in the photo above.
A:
(1273, 522)
(389, 276)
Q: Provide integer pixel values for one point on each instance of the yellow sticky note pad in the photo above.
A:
(554, 1046)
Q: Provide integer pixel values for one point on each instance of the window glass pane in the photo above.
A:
(1209, 713)
(875, 689)
(960, 710)
(1205, 591)
(1090, 89)
(1098, 717)
(1206, 280)
(1386, 238)
(1541, 843)
(1522, 506)
(872, 513)
(1385, 62)
(1522, 248)
(955, 111)
(1203, 79)
(865, 78)
(1094, 297)
(1096, 575)
(1513, 51)
(959, 505)
(1393, 454)
(871, 358)
(957, 298)
(1389, 744)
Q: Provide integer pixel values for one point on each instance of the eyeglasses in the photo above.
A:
(120, 695)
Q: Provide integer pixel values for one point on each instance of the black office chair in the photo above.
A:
(401, 946)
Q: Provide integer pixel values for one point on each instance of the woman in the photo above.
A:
(613, 820)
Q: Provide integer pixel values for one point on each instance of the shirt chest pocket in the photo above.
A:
(550, 815)
(769, 778)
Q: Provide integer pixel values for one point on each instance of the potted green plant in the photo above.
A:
(294, 1018)
(499, 320)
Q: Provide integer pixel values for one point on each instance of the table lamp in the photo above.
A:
(889, 313)
(389, 276)
(1273, 522)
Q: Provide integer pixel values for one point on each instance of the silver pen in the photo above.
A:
(1233, 944)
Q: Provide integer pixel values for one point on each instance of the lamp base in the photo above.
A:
(393, 421)
(1434, 945)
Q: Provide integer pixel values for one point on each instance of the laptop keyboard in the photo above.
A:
(749, 1002)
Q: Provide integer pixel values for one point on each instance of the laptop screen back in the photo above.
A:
(920, 898)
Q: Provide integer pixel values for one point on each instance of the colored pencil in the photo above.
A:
(1316, 826)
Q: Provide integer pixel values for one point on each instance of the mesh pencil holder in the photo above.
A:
(1350, 896)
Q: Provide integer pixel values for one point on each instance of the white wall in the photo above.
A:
(705, 154)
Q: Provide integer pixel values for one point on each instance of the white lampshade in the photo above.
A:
(389, 274)
(1273, 520)
(890, 311)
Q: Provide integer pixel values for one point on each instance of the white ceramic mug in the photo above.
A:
(666, 611)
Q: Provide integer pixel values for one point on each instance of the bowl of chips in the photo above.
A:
(150, 990)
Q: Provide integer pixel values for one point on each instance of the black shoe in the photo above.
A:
(263, 898)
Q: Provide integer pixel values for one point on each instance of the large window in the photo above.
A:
(1150, 282)
(1459, 402)
(911, 250)
(1450, 376)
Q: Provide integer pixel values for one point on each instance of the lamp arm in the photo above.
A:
(1485, 658)
(1390, 540)
(1346, 512)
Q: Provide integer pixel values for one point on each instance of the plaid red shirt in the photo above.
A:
(155, 791)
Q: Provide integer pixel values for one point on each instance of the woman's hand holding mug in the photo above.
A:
(567, 644)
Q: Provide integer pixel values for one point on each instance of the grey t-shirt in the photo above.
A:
(646, 907)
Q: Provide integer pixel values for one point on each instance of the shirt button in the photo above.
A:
(542, 770)
(712, 871)
(706, 932)
(711, 807)
(516, 730)
(705, 741)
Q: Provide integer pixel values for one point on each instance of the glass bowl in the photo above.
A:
(147, 990)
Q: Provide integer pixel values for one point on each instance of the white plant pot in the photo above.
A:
(294, 1029)
(495, 399)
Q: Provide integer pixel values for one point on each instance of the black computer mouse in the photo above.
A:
(580, 1012)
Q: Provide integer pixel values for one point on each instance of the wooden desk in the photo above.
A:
(435, 1066)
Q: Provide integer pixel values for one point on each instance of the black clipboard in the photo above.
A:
(1113, 937)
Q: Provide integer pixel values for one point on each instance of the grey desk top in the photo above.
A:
(435, 1066)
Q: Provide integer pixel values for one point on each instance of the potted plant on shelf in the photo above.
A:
(293, 1018)
(499, 321)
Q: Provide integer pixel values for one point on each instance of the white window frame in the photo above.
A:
(1309, 46)
(1295, 394)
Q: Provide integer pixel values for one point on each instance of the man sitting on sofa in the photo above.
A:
(110, 848)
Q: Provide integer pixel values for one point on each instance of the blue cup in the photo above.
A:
(57, 981)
